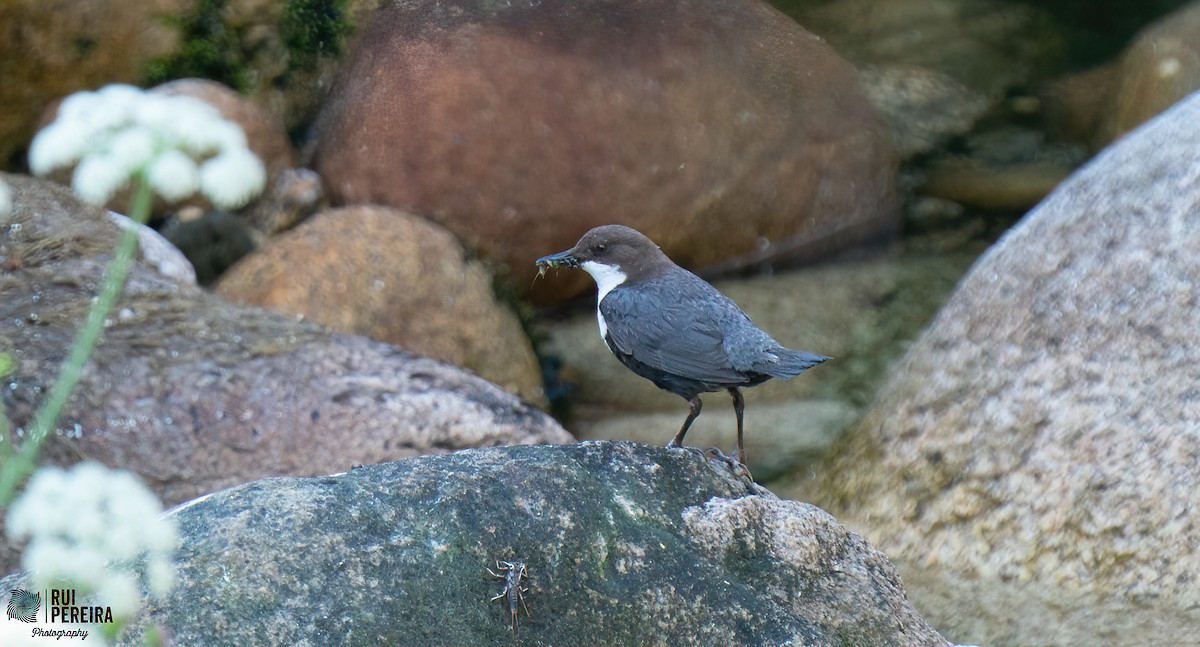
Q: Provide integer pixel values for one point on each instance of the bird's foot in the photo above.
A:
(734, 462)
(686, 448)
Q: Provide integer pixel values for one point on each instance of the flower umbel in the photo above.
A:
(228, 177)
(100, 530)
(122, 136)
(119, 132)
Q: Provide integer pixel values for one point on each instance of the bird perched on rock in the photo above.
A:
(671, 327)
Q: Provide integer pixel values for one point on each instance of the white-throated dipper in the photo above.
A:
(671, 327)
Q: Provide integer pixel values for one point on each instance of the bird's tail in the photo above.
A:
(791, 363)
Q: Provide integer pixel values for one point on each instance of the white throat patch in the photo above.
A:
(606, 277)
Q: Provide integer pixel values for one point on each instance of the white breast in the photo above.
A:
(606, 277)
(603, 324)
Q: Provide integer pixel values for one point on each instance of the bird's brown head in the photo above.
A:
(615, 247)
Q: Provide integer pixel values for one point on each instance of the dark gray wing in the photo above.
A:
(673, 325)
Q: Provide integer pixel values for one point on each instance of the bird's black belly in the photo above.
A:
(685, 387)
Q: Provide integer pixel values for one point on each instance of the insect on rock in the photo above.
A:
(512, 573)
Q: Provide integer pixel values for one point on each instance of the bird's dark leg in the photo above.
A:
(696, 404)
(739, 406)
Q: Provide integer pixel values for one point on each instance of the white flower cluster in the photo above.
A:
(182, 144)
(97, 530)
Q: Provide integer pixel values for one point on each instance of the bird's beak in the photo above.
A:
(561, 259)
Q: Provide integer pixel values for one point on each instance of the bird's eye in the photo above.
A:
(600, 247)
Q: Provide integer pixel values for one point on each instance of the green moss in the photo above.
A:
(212, 49)
(312, 29)
(209, 49)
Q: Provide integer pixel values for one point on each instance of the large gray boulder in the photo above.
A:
(625, 545)
(1041, 440)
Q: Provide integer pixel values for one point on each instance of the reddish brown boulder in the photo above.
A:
(723, 130)
(391, 276)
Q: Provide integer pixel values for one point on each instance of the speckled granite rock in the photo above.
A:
(195, 393)
(1042, 439)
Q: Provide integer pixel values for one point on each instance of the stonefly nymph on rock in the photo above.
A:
(512, 573)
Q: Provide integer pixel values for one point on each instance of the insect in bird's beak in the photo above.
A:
(561, 259)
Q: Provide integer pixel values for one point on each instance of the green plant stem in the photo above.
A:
(7, 365)
(22, 465)
(6, 447)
